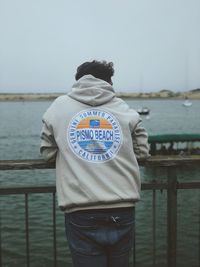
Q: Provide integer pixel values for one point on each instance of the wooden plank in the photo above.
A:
(26, 164)
(158, 161)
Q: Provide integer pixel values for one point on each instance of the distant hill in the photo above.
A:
(164, 93)
(196, 90)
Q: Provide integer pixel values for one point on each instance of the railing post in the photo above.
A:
(54, 230)
(171, 216)
(134, 242)
(27, 231)
(154, 227)
(1, 264)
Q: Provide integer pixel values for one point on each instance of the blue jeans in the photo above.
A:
(100, 238)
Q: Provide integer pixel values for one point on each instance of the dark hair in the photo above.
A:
(99, 69)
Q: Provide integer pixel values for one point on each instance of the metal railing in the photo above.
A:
(171, 185)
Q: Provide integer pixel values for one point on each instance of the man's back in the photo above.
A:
(96, 163)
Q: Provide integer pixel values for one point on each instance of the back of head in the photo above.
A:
(99, 69)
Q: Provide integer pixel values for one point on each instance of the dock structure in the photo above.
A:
(174, 144)
(171, 186)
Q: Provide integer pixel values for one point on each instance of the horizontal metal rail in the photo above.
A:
(27, 190)
(52, 188)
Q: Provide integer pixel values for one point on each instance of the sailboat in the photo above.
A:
(187, 102)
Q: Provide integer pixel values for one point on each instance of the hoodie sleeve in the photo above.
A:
(140, 141)
(48, 147)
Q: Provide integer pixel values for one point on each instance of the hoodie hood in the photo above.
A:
(92, 91)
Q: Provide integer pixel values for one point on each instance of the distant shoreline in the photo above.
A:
(164, 94)
(29, 97)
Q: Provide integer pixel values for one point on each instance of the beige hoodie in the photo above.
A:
(96, 139)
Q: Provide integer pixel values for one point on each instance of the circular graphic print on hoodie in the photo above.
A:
(94, 135)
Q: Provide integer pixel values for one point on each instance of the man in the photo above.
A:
(96, 140)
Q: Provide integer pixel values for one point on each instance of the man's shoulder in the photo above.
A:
(61, 98)
(57, 104)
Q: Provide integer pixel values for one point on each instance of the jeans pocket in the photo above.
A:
(81, 231)
(82, 221)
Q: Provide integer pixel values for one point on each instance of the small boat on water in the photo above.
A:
(187, 103)
(143, 111)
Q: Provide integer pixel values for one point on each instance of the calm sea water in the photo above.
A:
(19, 139)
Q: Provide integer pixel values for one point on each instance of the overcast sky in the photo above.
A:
(154, 44)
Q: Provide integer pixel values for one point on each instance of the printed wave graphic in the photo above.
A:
(96, 147)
